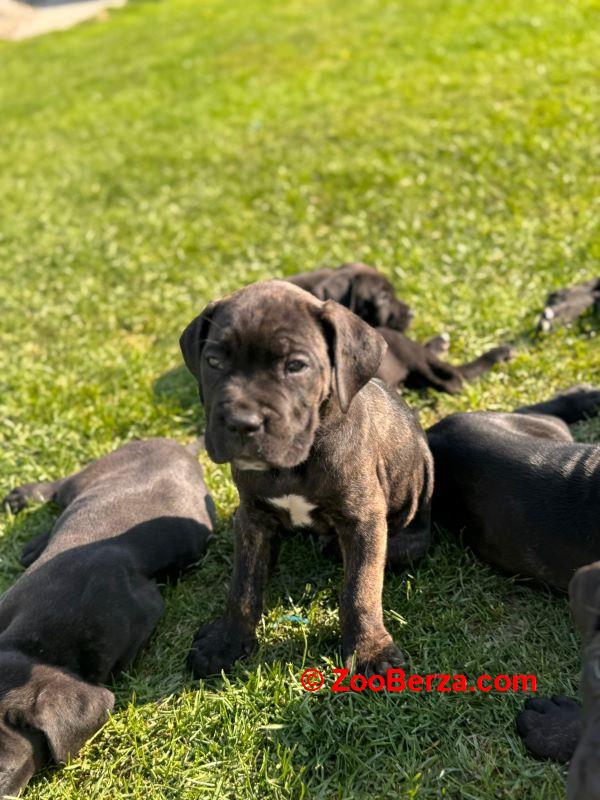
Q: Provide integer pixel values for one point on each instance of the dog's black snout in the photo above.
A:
(244, 422)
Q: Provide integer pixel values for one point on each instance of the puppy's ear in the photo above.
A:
(192, 341)
(66, 710)
(339, 287)
(584, 597)
(355, 350)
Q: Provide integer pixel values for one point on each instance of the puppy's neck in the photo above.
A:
(333, 422)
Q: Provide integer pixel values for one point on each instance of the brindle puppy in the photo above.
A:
(361, 289)
(314, 442)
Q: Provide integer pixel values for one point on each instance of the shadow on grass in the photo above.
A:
(177, 384)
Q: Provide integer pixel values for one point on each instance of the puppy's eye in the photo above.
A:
(214, 362)
(296, 365)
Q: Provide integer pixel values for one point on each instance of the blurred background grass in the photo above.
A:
(179, 150)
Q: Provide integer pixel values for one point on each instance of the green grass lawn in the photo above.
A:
(180, 149)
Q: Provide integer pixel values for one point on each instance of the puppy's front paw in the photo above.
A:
(21, 496)
(497, 355)
(375, 657)
(550, 727)
(217, 646)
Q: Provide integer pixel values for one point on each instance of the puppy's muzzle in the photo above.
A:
(243, 422)
(237, 431)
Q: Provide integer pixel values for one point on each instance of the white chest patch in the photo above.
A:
(297, 507)
(257, 466)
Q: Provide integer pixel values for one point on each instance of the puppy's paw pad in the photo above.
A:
(550, 727)
(216, 647)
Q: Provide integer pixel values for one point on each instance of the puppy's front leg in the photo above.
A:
(363, 544)
(220, 643)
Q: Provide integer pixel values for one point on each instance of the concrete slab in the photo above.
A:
(20, 20)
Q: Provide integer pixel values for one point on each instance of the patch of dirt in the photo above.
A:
(19, 20)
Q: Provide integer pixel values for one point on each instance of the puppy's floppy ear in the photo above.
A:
(339, 287)
(192, 341)
(65, 709)
(584, 596)
(355, 348)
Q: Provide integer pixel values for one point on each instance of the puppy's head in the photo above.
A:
(584, 771)
(45, 715)
(373, 298)
(266, 358)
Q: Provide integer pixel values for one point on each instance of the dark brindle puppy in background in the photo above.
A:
(417, 366)
(371, 296)
(555, 728)
(88, 602)
(314, 442)
(360, 288)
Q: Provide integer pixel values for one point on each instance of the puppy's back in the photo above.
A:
(135, 484)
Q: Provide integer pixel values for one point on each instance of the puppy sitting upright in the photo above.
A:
(314, 442)
(88, 602)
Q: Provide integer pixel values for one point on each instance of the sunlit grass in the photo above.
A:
(181, 149)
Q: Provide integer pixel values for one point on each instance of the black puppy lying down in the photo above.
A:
(556, 728)
(522, 493)
(418, 366)
(526, 498)
(87, 602)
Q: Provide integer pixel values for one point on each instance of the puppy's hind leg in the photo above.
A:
(485, 362)
(21, 496)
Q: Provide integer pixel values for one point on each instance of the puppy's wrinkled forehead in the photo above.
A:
(272, 316)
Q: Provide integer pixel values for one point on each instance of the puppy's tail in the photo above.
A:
(573, 405)
(196, 446)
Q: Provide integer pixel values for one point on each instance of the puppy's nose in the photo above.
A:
(244, 422)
